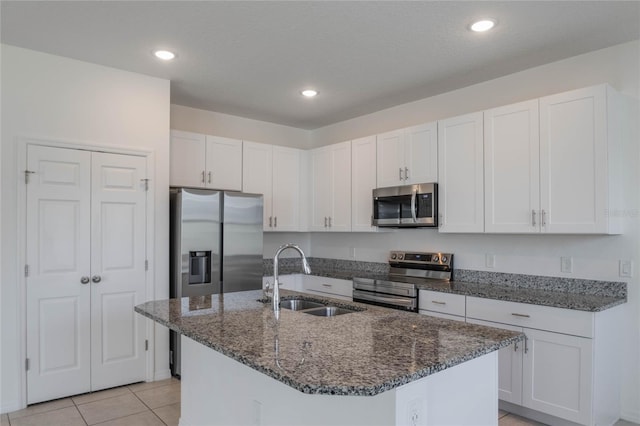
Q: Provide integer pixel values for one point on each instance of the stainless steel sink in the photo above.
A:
(299, 304)
(328, 311)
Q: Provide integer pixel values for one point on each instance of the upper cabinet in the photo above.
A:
(201, 161)
(274, 171)
(512, 169)
(461, 175)
(363, 182)
(331, 188)
(407, 156)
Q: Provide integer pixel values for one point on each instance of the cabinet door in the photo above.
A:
(118, 247)
(390, 159)
(421, 153)
(509, 365)
(321, 187)
(557, 375)
(573, 161)
(511, 168)
(187, 159)
(340, 217)
(224, 163)
(460, 174)
(286, 189)
(257, 176)
(363, 181)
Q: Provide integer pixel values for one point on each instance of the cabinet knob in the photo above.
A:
(84, 280)
(96, 278)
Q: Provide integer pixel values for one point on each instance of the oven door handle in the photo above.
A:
(397, 301)
(414, 194)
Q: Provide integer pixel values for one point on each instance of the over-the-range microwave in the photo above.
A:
(407, 206)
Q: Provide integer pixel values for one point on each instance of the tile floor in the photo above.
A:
(141, 404)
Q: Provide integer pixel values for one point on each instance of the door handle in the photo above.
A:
(413, 205)
(84, 280)
(96, 278)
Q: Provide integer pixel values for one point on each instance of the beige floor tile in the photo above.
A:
(111, 408)
(502, 413)
(68, 416)
(158, 397)
(170, 414)
(137, 387)
(41, 408)
(146, 418)
(513, 420)
(97, 396)
(4, 419)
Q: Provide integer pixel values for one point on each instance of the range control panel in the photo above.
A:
(421, 258)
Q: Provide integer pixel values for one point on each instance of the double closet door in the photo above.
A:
(85, 272)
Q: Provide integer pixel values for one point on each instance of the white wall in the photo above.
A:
(231, 126)
(54, 98)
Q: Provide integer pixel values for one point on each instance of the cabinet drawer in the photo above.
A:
(446, 303)
(441, 315)
(328, 285)
(577, 323)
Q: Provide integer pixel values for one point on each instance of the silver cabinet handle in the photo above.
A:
(329, 221)
(544, 218)
(96, 278)
(400, 173)
(209, 180)
(270, 221)
(533, 218)
(526, 344)
(325, 221)
(515, 347)
(438, 303)
(203, 176)
(406, 173)
(327, 285)
(84, 280)
(275, 221)
(520, 315)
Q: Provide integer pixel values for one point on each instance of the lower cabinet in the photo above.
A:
(442, 305)
(552, 372)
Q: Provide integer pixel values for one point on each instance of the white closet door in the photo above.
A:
(58, 247)
(118, 207)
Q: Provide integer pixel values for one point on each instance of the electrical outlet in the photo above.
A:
(626, 268)
(566, 265)
(352, 252)
(414, 413)
(490, 260)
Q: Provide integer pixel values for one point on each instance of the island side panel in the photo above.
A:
(217, 390)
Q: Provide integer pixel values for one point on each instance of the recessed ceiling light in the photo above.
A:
(309, 93)
(483, 25)
(164, 55)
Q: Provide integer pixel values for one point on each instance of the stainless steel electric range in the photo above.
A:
(398, 289)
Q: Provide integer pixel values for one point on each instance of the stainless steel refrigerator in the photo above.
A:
(215, 247)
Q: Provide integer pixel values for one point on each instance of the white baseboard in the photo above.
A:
(630, 416)
(162, 374)
(10, 406)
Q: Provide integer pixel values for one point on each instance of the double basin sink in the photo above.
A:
(314, 308)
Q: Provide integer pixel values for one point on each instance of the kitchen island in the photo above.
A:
(372, 366)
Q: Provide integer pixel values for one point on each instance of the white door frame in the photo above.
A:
(21, 244)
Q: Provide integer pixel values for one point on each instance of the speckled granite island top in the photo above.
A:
(360, 353)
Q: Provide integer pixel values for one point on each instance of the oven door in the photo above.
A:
(386, 300)
(406, 206)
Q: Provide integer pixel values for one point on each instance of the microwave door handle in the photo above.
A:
(413, 205)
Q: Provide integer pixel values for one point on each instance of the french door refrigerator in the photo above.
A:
(215, 247)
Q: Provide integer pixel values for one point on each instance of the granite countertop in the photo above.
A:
(361, 353)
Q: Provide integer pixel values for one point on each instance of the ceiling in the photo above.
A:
(251, 59)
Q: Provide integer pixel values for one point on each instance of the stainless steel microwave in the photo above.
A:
(409, 206)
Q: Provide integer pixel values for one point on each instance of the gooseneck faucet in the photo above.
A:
(276, 285)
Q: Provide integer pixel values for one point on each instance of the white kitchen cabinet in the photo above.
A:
(461, 174)
(581, 163)
(330, 287)
(568, 365)
(274, 171)
(512, 168)
(407, 156)
(331, 188)
(203, 161)
(436, 302)
(363, 182)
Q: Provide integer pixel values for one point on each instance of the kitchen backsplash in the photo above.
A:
(346, 269)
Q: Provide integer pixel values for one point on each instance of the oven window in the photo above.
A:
(392, 207)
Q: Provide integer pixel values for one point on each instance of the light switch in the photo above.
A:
(566, 265)
(626, 268)
(490, 260)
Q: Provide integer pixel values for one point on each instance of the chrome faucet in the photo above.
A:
(276, 285)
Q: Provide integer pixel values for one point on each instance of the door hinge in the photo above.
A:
(146, 345)
(26, 364)
(26, 270)
(146, 265)
(146, 184)
(26, 175)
